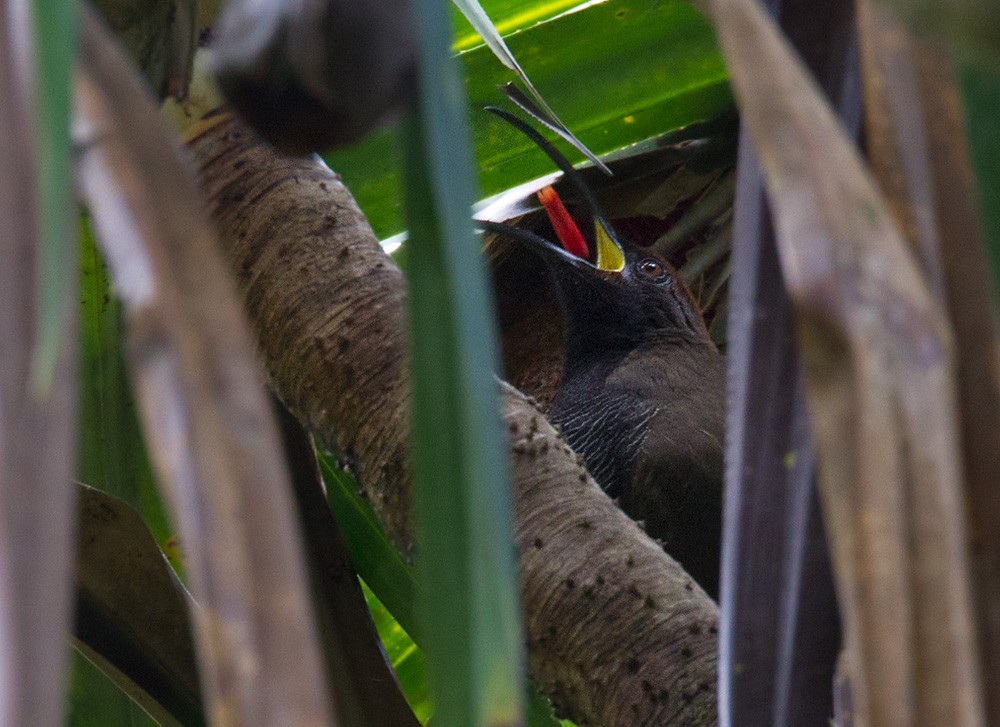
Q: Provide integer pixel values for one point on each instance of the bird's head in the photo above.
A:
(615, 293)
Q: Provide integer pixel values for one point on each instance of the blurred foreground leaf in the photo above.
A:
(467, 586)
(217, 450)
(877, 352)
(780, 632)
(918, 147)
(53, 44)
(37, 369)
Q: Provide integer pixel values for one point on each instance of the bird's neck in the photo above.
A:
(590, 348)
(586, 346)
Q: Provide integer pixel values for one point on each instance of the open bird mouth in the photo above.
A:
(607, 254)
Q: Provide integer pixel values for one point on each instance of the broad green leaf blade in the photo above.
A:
(508, 16)
(375, 558)
(112, 454)
(54, 46)
(619, 72)
(479, 20)
(37, 391)
(467, 584)
(540, 114)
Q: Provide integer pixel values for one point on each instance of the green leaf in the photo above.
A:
(96, 701)
(37, 377)
(112, 454)
(467, 592)
(508, 16)
(374, 558)
(618, 72)
(55, 44)
(982, 104)
(406, 657)
(476, 15)
(388, 580)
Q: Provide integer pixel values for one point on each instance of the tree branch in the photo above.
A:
(618, 633)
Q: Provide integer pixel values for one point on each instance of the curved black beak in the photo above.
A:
(610, 255)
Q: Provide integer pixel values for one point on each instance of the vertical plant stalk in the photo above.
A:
(467, 595)
(216, 448)
(37, 425)
(917, 144)
(878, 356)
(780, 631)
(53, 36)
(616, 631)
(466, 579)
(368, 692)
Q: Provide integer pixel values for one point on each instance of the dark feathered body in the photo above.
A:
(642, 399)
(641, 396)
(649, 423)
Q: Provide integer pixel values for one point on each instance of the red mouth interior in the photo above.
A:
(565, 228)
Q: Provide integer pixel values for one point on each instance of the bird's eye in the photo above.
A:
(651, 268)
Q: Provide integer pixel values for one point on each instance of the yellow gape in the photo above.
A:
(609, 254)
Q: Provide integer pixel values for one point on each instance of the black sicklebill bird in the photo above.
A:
(642, 393)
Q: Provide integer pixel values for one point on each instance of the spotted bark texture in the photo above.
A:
(618, 634)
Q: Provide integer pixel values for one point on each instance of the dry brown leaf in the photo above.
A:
(132, 613)
(37, 430)
(213, 441)
(917, 144)
(880, 382)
